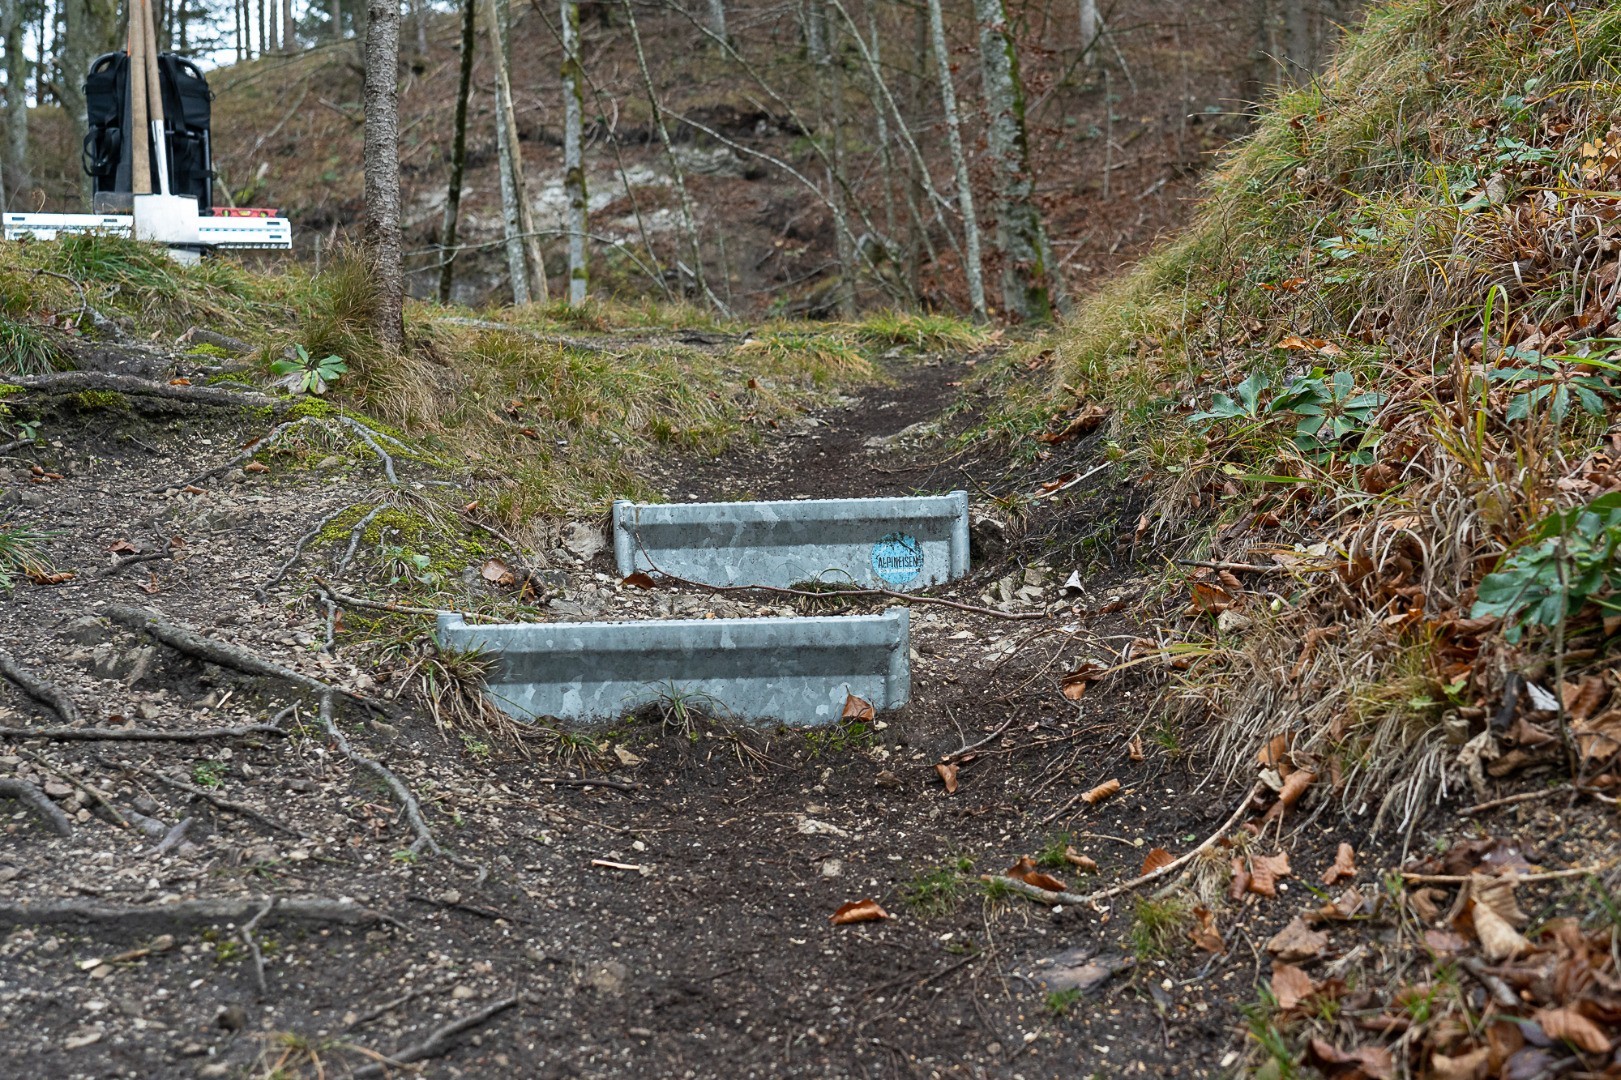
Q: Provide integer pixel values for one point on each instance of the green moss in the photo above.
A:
(448, 549)
(6, 390)
(205, 349)
(309, 406)
(100, 399)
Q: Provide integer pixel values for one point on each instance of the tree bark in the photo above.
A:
(972, 265)
(1028, 291)
(717, 18)
(16, 148)
(1297, 25)
(419, 21)
(1089, 32)
(574, 151)
(523, 247)
(335, 14)
(458, 152)
(289, 30)
(381, 238)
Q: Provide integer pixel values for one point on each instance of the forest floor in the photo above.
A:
(672, 920)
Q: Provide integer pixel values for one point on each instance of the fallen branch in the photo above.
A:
(1233, 567)
(345, 600)
(203, 793)
(1501, 992)
(1049, 897)
(957, 755)
(440, 1041)
(1510, 800)
(225, 655)
(252, 943)
(407, 801)
(69, 382)
(41, 691)
(1547, 875)
(101, 734)
(37, 801)
(174, 838)
(152, 918)
(134, 560)
(566, 781)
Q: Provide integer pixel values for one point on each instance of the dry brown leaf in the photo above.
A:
(1290, 985)
(1582, 699)
(1157, 858)
(123, 547)
(1599, 738)
(1079, 861)
(858, 911)
(641, 579)
(1101, 792)
(1344, 865)
(1134, 749)
(256, 467)
(1497, 892)
(1265, 870)
(1087, 421)
(1074, 683)
(1426, 903)
(1498, 940)
(1204, 933)
(1363, 1063)
(1025, 870)
(948, 774)
(1241, 880)
(1210, 598)
(1274, 752)
(1347, 904)
(1444, 942)
(1568, 1025)
(858, 709)
(46, 577)
(497, 572)
(1475, 1065)
(1294, 787)
(1297, 942)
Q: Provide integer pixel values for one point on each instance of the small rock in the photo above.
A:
(584, 541)
(214, 1068)
(192, 1049)
(81, 1040)
(231, 1017)
(331, 461)
(8, 873)
(87, 630)
(607, 977)
(832, 868)
(58, 790)
(463, 993)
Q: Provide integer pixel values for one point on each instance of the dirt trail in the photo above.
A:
(676, 928)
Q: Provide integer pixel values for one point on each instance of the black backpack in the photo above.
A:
(186, 116)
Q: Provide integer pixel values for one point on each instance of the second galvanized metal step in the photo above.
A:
(797, 671)
(900, 543)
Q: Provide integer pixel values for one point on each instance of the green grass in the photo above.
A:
(938, 890)
(1157, 926)
(21, 550)
(923, 330)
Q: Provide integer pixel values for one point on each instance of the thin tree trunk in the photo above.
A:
(1297, 24)
(574, 152)
(335, 13)
(885, 159)
(289, 31)
(419, 20)
(458, 152)
(1089, 32)
(16, 150)
(814, 14)
(523, 249)
(1027, 287)
(972, 265)
(717, 18)
(689, 222)
(381, 239)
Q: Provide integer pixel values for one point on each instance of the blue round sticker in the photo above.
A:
(897, 558)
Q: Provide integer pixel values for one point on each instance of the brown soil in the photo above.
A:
(712, 955)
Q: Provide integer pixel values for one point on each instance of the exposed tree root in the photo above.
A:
(37, 801)
(100, 734)
(241, 809)
(258, 446)
(185, 914)
(369, 437)
(38, 689)
(70, 382)
(413, 810)
(253, 946)
(134, 560)
(225, 655)
(299, 545)
(440, 1041)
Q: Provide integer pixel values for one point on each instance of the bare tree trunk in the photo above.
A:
(381, 239)
(814, 14)
(419, 21)
(458, 152)
(717, 18)
(335, 13)
(523, 247)
(972, 264)
(289, 30)
(1027, 288)
(689, 221)
(574, 152)
(16, 149)
(885, 159)
(1297, 25)
(1089, 32)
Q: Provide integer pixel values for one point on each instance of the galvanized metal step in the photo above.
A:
(799, 671)
(901, 543)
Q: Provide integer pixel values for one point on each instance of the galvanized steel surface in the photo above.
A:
(900, 543)
(798, 671)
